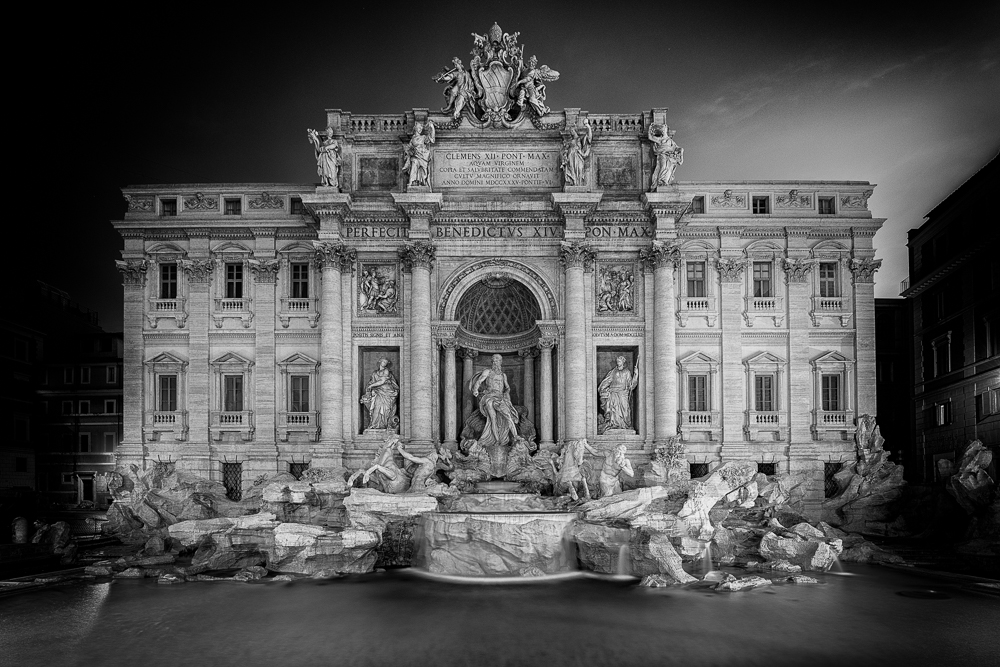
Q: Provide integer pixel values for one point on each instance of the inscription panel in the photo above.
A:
(488, 169)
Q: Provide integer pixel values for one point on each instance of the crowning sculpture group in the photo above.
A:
(499, 89)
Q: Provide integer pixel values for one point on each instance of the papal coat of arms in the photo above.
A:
(500, 88)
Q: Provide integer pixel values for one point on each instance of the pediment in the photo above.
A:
(165, 249)
(232, 359)
(299, 359)
(166, 358)
(832, 358)
(231, 247)
(697, 359)
(763, 359)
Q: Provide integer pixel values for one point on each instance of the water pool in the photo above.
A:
(397, 619)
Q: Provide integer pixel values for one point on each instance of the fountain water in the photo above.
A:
(706, 557)
(624, 568)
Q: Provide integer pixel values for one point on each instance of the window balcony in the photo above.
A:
(166, 309)
(833, 425)
(696, 306)
(700, 425)
(160, 423)
(298, 422)
(764, 306)
(830, 306)
(298, 307)
(237, 308)
(225, 421)
(766, 426)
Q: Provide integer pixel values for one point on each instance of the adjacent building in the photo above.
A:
(954, 294)
(259, 318)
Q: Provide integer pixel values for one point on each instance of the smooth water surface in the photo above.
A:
(398, 620)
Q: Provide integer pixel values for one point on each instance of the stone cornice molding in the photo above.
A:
(133, 272)
(730, 269)
(418, 254)
(863, 270)
(733, 232)
(265, 232)
(863, 232)
(796, 270)
(527, 352)
(575, 205)
(418, 205)
(665, 205)
(334, 256)
(661, 255)
(198, 232)
(198, 270)
(577, 255)
(264, 270)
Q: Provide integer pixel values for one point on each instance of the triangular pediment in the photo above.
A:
(831, 358)
(697, 358)
(166, 358)
(763, 358)
(232, 359)
(299, 359)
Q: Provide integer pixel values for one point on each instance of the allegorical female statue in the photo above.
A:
(615, 392)
(380, 396)
(418, 154)
(668, 155)
(327, 158)
(576, 150)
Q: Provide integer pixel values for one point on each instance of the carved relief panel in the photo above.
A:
(379, 290)
(615, 288)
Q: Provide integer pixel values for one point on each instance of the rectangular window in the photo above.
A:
(85, 375)
(110, 440)
(988, 403)
(942, 413)
(168, 280)
(298, 208)
(167, 398)
(67, 407)
(698, 470)
(698, 393)
(828, 279)
(696, 278)
(826, 206)
(830, 470)
(234, 281)
(761, 205)
(84, 407)
(110, 406)
(698, 205)
(762, 279)
(84, 440)
(830, 393)
(767, 468)
(941, 355)
(232, 479)
(300, 280)
(296, 469)
(168, 207)
(111, 373)
(763, 393)
(299, 394)
(233, 207)
(68, 375)
(233, 399)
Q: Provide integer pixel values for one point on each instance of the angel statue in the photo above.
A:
(576, 150)
(460, 91)
(668, 154)
(530, 87)
(418, 154)
(327, 158)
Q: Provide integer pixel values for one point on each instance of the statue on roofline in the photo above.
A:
(418, 154)
(327, 158)
(668, 155)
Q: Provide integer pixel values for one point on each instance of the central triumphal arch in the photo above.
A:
(272, 327)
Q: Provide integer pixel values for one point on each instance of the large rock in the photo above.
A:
(480, 544)
(305, 549)
(393, 516)
(971, 486)
(733, 584)
(624, 506)
(635, 551)
(223, 543)
(319, 503)
(705, 492)
(815, 553)
(667, 557)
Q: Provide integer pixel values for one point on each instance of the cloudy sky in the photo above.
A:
(905, 99)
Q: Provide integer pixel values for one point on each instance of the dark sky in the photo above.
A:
(904, 98)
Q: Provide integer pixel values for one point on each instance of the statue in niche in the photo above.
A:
(568, 469)
(380, 396)
(501, 417)
(576, 150)
(615, 464)
(418, 154)
(383, 473)
(615, 392)
(616, 293)
(668, 155)
(530, 87)
(327, 158)
(377, 292)
(461, 88)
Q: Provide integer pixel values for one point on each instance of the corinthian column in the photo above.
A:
(576, 257)
(545, 346)
(664, 258)
(134, 278)
(331, 258)
(468, 359)
(528, 395)
(418, 258)
(450, 393)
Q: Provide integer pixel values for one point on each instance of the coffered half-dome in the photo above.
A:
(498, 305)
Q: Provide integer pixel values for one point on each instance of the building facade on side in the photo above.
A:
(260, 319)
(953, 291)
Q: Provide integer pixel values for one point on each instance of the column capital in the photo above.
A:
(198, 270)
(730, 269)
(418, 254)
(335, 255)
(863, 269)
(796, 270)
(133, 272)
(546, 343)
(661, 255)
(577, 255)
(448, 343)
(264, 270)
(528, 352)
(469, 353)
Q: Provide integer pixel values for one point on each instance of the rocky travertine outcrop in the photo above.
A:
(315, 502)
(870, 488)
(306, 549)
(971, 486)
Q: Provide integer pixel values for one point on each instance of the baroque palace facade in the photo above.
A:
(273, 327)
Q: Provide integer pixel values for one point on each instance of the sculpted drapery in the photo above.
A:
(380, 396)
(615, 392)
(495, 405)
